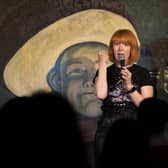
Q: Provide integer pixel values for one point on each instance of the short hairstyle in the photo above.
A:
(127, 37)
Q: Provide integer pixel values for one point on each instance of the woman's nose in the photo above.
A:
(121, 46)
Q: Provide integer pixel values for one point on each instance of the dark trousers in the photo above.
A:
(110, 115)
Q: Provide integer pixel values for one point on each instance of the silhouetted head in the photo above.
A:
(124, 142)
(153, 115)
(41, 129)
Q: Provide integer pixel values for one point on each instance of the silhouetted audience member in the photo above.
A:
(41, 130)
(124, 144)
(129, 140)
(153, 116)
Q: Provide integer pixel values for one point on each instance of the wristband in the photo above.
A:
(132, 89)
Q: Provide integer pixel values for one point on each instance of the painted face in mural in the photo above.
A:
(77, 70)
(78, 85)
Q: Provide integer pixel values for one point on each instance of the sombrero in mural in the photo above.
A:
(26, 72)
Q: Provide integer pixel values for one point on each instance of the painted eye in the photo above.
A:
(76, 72)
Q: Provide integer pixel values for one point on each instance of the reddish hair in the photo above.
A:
(127, 37)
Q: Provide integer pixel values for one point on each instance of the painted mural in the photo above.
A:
(63, 58)
(73, 74)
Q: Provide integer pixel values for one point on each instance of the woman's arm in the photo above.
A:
(101, 79)
(145, 91)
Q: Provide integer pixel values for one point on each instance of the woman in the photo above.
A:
(121, 86)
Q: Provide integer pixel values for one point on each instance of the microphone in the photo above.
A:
(121, 59)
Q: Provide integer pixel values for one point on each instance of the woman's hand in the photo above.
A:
(127, 76)
(103, 58)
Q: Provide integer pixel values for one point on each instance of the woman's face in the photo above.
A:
(121, 49)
